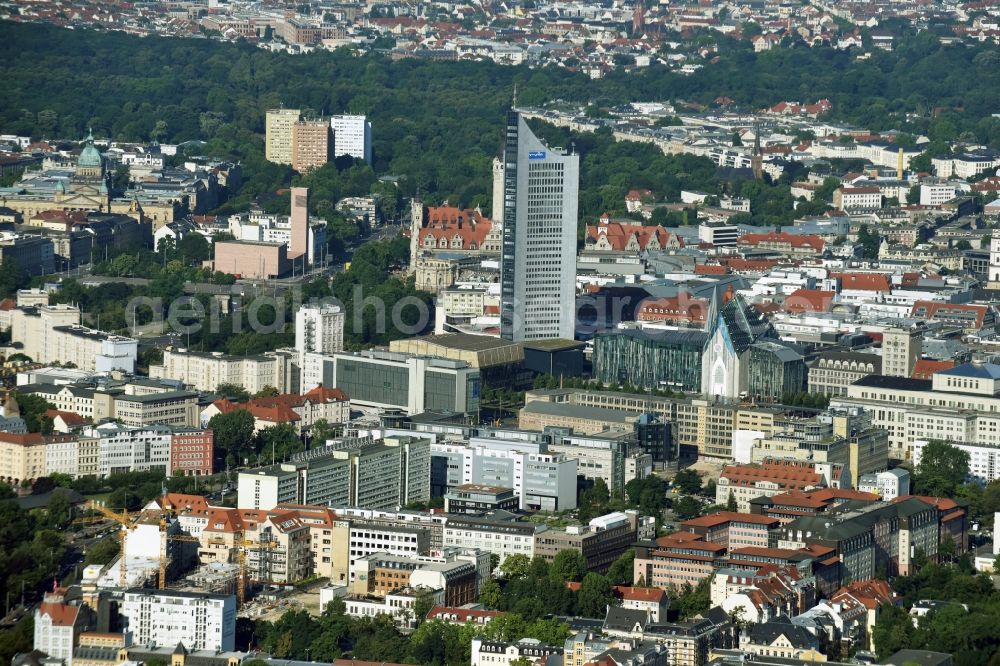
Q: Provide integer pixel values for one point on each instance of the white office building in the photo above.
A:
(541, 480)
(984, 459)
(319, 329)
(164, 617)
(888, 485)
(538, 256)
(131, 449)
(352, 135)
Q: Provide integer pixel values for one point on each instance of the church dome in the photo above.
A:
(90, 156)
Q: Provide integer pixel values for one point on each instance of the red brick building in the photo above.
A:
(191, 452)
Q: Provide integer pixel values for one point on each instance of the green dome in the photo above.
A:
(90, 156)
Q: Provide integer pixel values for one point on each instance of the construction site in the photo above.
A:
(164, 548)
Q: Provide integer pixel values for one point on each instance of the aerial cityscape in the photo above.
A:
(527, 333)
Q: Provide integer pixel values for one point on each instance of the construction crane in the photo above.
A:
(165, 539)
(127, 522)
(242, 546)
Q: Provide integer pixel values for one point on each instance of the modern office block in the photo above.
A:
(538, 257)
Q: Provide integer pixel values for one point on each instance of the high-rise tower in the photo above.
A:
(538, 255)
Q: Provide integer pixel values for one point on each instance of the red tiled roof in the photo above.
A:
(946, 311)
(791, 474)
(444, 223)
(7, 304)
(619, 234)
(62, 615)
(324, 394)
(722, 517)
(710, 269)
(69, 418)
(650, 594)
(809, 300)
(815, 243)
(870, 593)
(863, 281)
(682, 307)
(925, 368)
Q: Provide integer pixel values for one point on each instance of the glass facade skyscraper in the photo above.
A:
(538, 255)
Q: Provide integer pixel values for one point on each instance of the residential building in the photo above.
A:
(375, 474)
(497, 653)
(397, 605)
(22, 457)
(352, 136)
(58, 625)
(278, 135)
(312, 144)
(166, 617)
(538, 259)
(125, 448)
(848, 198)
(205, 371)
(319, 329)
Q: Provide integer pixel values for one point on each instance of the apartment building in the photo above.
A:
(497, 653)
(22, 457)
(848, 198)
(205, 371)
(166, 617)
(353, 136)
(52, 333)
(312, 144)
(278, 134)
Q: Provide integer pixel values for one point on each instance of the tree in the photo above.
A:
(731, 502)
(277, 442)
(490, 593)
(869, 241)
(569, 564)
(233, 432)
(688, 481)
(267, 392)
(102, 552)
(694, 601)
(963, 245)
(687, 507)
(233, 392)
(622, 570)
(515, 566)
(942, 469)
(33, 408)
(595, 595)
(913, 195)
